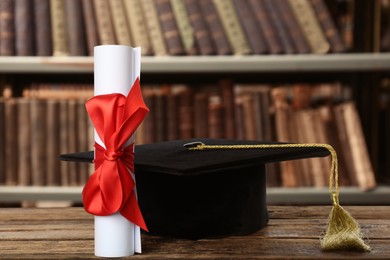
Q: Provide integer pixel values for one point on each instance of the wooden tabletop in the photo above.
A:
(292, 233)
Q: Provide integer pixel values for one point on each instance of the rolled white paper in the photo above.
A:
(115, 69)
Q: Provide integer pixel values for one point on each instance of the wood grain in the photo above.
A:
(292, 233)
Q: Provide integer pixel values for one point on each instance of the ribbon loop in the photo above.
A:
(110, 188)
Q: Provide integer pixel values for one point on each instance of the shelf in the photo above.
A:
(348, 195)
(210, 64)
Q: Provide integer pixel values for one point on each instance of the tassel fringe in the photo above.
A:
(343, 232)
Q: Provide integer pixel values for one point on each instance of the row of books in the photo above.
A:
(167, 27)
(51, 119)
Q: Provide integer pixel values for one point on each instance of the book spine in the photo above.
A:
(249, 24)
(120, 23)
(2, 141)
(312, 30)
(11, 142)
(160, 114)
(24, 40)
(202, 35)
(64, 139)
(169, 27)
(7, 28)
(153, 26)
(183, 23)
(172, 115)
(23, 142)
(82, 144)
(149, 121)
(73, 140)
(43, 43)
(293, 28)
(59, 29)
(201, 121)
(38, 141)
(361, 160)
(91, 32)
(53, 177)
(283, 115)
(137, 26)
(280, 28)
(232, 26)
(104, 22)
(227, 94)
(186, 107)
(328, 26)
(215, 117)
(215, 28)
(266, 27)
(75, 28)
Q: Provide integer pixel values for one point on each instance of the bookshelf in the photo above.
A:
(359, 64)
(355, 62)
(318, 64)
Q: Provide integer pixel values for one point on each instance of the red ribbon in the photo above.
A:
(111, 187)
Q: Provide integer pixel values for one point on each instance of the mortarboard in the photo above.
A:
(212, 187)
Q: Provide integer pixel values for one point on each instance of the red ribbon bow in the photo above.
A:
(111, 187)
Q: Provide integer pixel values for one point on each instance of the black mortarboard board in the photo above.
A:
(195, 194)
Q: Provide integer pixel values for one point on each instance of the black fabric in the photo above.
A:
(208, 193)
(208, 205)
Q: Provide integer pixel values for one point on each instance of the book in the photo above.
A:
(215, 117)
(172, 114)
(11, 168)
(201, 32)
(310, 26)
(232, 26)
(82, 137)
(148, 124)
(281, 29)
(7, 28)
(169, 27)
(64, 138)
(267, 29)
(215, 28)
(23, 142)
(161, 94)
(24, 38)
(227, 95)
(53, 174)
(104, 22)
(42, 28)
(73, 170)
(293, 28)
(183, 23)
(2, 141)
(358, 148)
(75, 28)
(283, 115)
(137, 26)
(118, 16)
(201, 109)
(153, 27)
(91, 33)
(59, 28)
(251, 28)
(186, 112)
(328, 26)
(38, 142)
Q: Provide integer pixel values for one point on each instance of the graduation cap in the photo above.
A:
(215, 187)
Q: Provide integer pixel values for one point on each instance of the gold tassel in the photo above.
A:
(343, 232)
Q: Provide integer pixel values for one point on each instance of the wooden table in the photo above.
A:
(292, 233)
